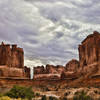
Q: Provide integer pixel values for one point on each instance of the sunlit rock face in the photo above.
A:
(12, 62)
(89, 54)
(89, 50)
(11, 56)
(11, 72)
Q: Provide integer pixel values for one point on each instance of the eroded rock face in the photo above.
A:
(88, 64)
(89, 55)
(11, 56)
(89, 50)
(11, 72)
(27, 72)
(47, 76)
(39, 70)
(69, 75)
(48, 72)
(12, 62)
(72, 65)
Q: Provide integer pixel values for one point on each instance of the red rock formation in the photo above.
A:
(11, 72)
(27, 72)
(51, 69)
(88, 64)
(89, 50)
(54, 69)
(48, 72)
(69, 75)
(12, 57)
(47, 76)
(72, 65)
(12, 62)
(89, 54)
(39, 70)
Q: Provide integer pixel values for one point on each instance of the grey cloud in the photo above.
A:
(48, 30)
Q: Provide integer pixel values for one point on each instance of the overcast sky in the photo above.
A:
(48, 30)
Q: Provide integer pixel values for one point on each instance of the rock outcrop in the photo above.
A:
(12, 57)
(71, 70)
(89, 50)
(12, 62)
(39, 70)
(72, 66)
(88, 64)
(27, 72)
(89, 54)
(7, 72)
(48, 72)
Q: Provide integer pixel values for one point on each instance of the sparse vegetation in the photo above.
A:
(82, 96)
(37, 94)
(44, 97)
(52, 98)
(26, 93)
(21, 92)
(64, 98)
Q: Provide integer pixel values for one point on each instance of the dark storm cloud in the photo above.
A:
(48, 30)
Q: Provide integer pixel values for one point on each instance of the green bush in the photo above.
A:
(82, 96)
(21, 92)
(37, 94)
(44, 97)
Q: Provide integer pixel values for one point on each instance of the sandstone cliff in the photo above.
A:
(89, 54)
(12, 62)
(88, 64)
(12, 57)
(11, 72)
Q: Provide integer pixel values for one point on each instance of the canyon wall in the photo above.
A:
(12, 62)
(88, 64)
(89, 50)
(6, 72)
(11, 56)
(48, 72)
(89, 54)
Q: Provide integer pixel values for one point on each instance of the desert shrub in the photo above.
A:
(46, 89)
(82, 96)
(5, 98)
(52, 98)
(21, 92)
(67, 93)
(44, 97)
(37, 94)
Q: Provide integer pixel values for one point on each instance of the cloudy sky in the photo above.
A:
(48, 30)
